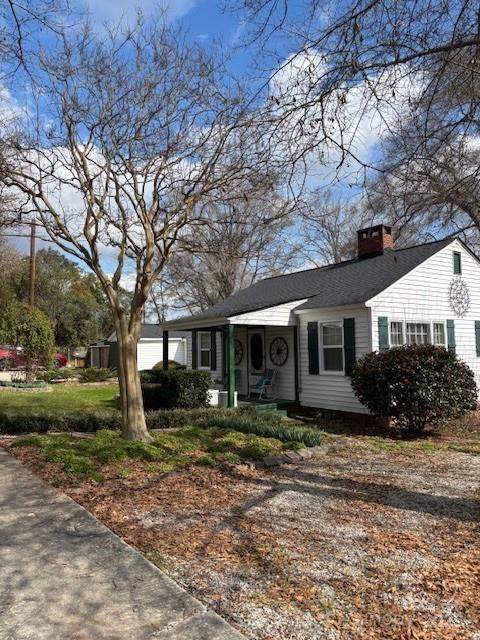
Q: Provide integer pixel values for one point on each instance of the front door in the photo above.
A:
(256, 355)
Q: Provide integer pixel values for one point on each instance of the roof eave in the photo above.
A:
(185, 324)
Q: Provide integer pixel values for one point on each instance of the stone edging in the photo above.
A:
(292, 456)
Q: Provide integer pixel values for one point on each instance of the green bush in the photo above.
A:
(418, 385)
(172, 364)
(58, 374)
(282, 432)
(177, 388)
(96, 374)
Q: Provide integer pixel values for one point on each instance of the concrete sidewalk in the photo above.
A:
(64, 576)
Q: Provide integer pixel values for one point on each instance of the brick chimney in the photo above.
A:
(374, 240)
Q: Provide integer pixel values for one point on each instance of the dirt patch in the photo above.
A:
(359, 543)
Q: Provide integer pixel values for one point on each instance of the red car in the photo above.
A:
(13, 358)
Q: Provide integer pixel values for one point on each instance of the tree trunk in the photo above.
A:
(133, 417)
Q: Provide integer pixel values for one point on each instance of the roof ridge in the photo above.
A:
(352, 260)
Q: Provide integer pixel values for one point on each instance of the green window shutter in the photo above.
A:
(349, 344)
(194, 350)
(383, 343)
(451, 335)
(477, 337)
(313, 353)
(457, 263)
(213, 350)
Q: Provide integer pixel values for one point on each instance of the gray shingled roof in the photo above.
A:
(152, 332)
(350, 282)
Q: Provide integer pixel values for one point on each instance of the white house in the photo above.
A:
(311, 326)
(149, 348)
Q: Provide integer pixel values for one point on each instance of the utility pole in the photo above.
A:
(31, 281)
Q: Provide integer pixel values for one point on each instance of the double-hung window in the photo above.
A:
(418, 333)
(396, 334)
(204, 350)
(332, 346)
(439, 334)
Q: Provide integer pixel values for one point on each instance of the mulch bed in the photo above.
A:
(359, 543)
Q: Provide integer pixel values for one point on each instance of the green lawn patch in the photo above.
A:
(61, 401)
(83, 458)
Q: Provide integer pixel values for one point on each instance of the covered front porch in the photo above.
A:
(238, 357)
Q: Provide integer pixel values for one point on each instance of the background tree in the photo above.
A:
(72, 299)
(406, 73)
(237, 243)
(137, 131)
(29, 328)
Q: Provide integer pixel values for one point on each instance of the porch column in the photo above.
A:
(165, 350)
(230, 365)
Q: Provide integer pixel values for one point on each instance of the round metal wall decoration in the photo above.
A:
(459, 297)
(278, 351)
(238, 347)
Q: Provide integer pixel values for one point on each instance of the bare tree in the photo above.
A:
(236, 244)
(137, 132)
(407, 69)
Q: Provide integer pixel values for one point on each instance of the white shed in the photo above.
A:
(150, 346)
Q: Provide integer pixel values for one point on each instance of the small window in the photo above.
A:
(417, 333)
(439, 334)
(396, 334)
(332, 345)
(457, 263)
(205, 350)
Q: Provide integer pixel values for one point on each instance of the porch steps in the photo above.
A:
(268, 407)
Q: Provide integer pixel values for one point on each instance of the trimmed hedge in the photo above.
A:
(177, 389)
(86, 422)
(418, 385)
(162, 419)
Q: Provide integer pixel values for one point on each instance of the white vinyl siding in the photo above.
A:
(150, 352)
(331, 390)
(279, 316)
(422, 296)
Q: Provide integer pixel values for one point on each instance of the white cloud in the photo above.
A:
(355, 118)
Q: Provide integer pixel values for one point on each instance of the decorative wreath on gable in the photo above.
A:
(459, 297)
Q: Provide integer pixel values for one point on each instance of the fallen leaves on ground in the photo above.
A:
(358, 544)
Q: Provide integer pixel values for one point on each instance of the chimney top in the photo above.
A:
(373, 241)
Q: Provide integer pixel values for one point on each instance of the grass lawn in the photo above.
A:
(63, 399)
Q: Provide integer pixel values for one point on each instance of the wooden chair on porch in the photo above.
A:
(264, 383)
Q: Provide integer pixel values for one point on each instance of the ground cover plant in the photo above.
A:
(84, 458)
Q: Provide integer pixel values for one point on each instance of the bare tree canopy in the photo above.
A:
(134, 134)
(236, 244)
(409, 70)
